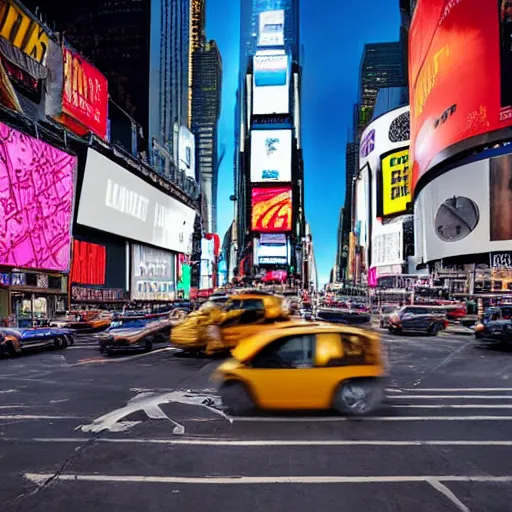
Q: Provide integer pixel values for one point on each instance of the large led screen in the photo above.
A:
(271, 84)
(36, 200)
(460, 75)
(116, 201)
(271, 155)
(271, 209)
(467, 210)
(271, 29)
(271, 249)
(395, 191)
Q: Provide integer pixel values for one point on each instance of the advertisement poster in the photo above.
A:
(500, 198)
(271, 87)
(271, 32)
(36, 199)
(460, 75)
(187, 152)
(271, 249)
(89, 263)
(271, 155)
(116, 201)
(395, 183)
(387, 245)
(271, 209)
(84, 96)
(152, 274)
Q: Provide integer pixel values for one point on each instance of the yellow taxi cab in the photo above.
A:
(305, 366)
(219, 327)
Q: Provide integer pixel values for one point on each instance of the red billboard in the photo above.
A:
(272, 209)
(84, 96)
(460, 76)
(89, 263)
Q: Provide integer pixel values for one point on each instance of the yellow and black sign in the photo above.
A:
(395, 182)
(23, 31)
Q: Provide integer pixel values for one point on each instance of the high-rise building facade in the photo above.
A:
(206, 105)
(269, 180)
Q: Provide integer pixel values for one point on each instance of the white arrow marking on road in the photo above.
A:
(149, 403)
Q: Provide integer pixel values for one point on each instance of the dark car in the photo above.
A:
(15, 341)
(494, 332)
(343, 316)
(429, 320)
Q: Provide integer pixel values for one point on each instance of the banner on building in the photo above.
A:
(271, 155)
(36, 199)
(272, 209)
(394, 192)
(187, 152)
(271, 28)
(271, 83)
(153, 274)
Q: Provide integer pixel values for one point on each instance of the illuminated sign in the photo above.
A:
(271, 91)
(395, 191)
(271, 209)
(271, 28)
(271, 155)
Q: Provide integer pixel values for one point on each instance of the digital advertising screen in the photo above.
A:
(271, 209)
(271, 249)
(116, 201)
(187, 152)
(271, 83)
(395, 190)
(36, 202)
(271, 155)
(460, 75)
(271, 29)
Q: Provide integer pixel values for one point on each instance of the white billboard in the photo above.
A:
(271, 84)
(187, 152)
(271, 156)
(271, 249)
(387, 245)
(116, 201)
(465, 211)
(271, 30)
(153, 274)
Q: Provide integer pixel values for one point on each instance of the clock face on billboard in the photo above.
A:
(456, 218)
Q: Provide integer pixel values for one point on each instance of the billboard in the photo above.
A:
(89, 263)
(387, 245)
(271, 83)
(115, 200)
(394, 192)
(271, 30)
(26, 53)
(466, 210)
(272, 209)
(84, 96)
(271, 155)
(36, 200)
(153, 274)
(271, 249)
(460, 75)
(187, 152)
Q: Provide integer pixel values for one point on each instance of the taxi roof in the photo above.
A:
(248, 347)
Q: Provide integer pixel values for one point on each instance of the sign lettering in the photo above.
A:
(501, 260)
(23, 32)
(396, 190)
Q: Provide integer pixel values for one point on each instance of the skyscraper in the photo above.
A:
(381, 66)
(197, 40)
(206, 105)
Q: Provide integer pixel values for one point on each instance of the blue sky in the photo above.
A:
(333, 33)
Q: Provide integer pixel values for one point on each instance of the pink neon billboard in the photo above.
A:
(36, 198)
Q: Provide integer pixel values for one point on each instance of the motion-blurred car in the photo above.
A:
(217, 329)
(385, 313)
(343, 316)
(494, 332)
(305, 366)
(16, 341)
(429, 320)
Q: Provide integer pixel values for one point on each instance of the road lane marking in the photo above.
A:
(436, 484)
(259, 442)
(41, 478)
(444, 397)
(105, 359)
(320, 419)
(452, 406)
(37, 417)
(444, 390)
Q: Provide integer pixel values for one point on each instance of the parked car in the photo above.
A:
(427, 319)
(217, 329)
(305, 366)
(16, 341)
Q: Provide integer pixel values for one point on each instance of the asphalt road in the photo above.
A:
(86, 433)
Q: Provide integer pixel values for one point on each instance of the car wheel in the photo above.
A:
(148, 346)
(57, 343)
(8, 350)
(434, 330)
(358, 397)
(64, 342)
(236, 398)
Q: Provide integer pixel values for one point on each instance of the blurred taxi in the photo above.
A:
(219, 327)
(308, 366)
